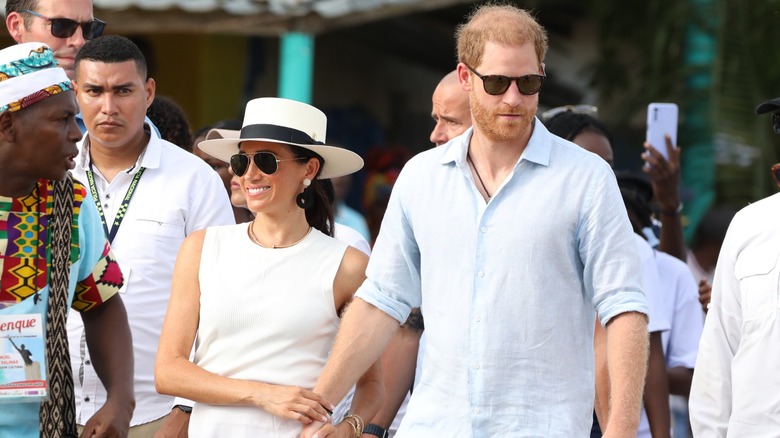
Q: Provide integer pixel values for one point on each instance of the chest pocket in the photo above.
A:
(163, 225)
(757, 273)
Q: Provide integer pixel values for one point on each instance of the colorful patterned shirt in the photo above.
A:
(25, 259)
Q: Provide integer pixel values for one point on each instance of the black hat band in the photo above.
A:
(278, 133)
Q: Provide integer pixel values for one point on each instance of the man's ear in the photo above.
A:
(463, 77)
(7, 126)
(15, 24)
(150, 87)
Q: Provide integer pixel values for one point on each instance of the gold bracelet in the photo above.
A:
(357, 425)
(355, 433)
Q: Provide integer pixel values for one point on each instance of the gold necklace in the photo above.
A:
(256, 241)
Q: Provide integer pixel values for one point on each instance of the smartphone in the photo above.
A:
(661, 121)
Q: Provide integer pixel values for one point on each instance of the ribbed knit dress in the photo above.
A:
(266, 315)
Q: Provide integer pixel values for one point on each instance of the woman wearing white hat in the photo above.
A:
(261, 301)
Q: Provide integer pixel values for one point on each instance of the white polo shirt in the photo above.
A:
(178, 193)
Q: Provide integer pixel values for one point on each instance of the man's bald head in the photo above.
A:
(450, 111)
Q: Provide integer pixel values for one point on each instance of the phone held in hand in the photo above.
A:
(661, 121)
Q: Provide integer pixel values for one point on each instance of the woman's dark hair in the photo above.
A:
(320, 214)
(569, 124)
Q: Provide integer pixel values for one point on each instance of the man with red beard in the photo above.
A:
(511, 239)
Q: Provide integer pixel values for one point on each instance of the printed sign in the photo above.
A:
(22, 358)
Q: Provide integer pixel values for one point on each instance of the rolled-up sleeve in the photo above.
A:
(393, 273)
(608, 252)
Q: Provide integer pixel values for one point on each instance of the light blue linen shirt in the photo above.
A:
(508, 288)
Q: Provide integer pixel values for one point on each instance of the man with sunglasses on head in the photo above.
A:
(63, 25)
(151, 194)
(736, 386)
(511, 239)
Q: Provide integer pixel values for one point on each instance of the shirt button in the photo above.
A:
(108, 196)
(478, 319)
(483, 229)
(480, 274)
(105, 205)
(86, 399)
(476, 366)
(475, 410)
(87, 362)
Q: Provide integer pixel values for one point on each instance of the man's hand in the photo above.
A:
(705, 294)
(111, 420)
(318, 429)
(294, 403)
(175, 425)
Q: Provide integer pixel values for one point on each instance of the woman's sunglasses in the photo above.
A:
(266, 162)
(65, 27)
(496, 85)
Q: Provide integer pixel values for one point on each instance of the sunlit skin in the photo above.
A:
(113, 98)
(450, 110)
(508, 118)
(597, 143)
(274, 194)
(64, 49)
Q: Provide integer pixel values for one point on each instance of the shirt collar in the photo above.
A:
(149, 158)
(537, 151)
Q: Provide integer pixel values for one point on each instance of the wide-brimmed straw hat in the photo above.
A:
(284, 121)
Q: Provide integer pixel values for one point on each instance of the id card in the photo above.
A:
(22, 359)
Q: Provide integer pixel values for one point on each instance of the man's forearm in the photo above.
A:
(364, 333)
(601, 402)
(680, 381)
(627, 352)
(656, 393)
(111, 349)
(399, 363)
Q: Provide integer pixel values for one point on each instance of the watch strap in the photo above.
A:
(184, 408)
(373, 429)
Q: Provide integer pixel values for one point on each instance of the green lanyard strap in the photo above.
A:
(110, 234)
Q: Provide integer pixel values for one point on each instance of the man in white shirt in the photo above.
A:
(511, 261)
(151, 194)
(736, 385)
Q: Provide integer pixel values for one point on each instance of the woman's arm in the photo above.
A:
(176, 375)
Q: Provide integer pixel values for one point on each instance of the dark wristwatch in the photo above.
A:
(373, 429)
(185, 409)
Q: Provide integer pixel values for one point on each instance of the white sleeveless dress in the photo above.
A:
(266, 315)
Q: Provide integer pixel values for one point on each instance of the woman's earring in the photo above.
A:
(305, 199)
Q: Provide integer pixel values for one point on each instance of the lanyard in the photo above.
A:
(122, 208)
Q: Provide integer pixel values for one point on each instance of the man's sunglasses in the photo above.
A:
(496, 85)
(265, 161)
(65, 27)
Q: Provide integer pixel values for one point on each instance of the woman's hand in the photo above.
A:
(294, 403)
